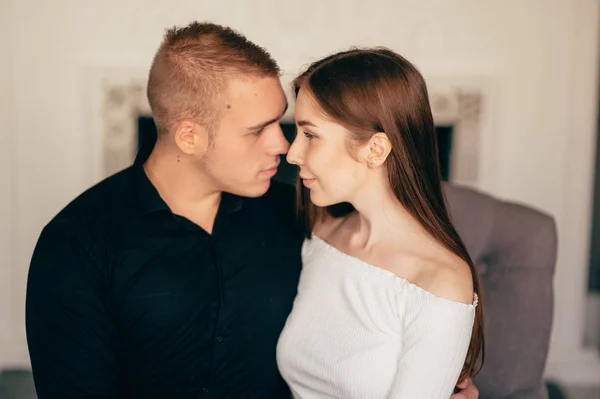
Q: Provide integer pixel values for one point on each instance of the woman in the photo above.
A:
(387, 304)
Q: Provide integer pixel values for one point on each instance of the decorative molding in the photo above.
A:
(123, 104)
(461, 107)
(121, 98)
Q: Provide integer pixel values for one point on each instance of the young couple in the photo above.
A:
(192, 275)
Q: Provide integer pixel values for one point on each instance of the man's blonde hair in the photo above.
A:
(191, 68)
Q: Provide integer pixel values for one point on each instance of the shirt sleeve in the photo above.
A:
(435, 346)
(73, 342)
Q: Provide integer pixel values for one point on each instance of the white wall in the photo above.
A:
(6, 138)
(542, 55)
(569, 359)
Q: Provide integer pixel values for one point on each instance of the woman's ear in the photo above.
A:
(376, 150)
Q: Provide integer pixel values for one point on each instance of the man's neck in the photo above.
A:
(187, 192)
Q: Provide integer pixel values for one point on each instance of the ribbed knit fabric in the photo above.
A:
(360, 331)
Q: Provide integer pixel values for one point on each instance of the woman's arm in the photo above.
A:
(436, 338)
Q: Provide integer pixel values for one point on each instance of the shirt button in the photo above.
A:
(219, 338)
(205, 390)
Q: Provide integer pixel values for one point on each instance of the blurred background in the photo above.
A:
(513, 86)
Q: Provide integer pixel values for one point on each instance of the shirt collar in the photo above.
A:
(150, 200)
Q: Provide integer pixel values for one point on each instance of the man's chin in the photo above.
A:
(254, 191)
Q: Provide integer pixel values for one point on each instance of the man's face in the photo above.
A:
(246, 146)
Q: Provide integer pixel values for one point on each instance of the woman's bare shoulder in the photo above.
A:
(433, 268)
(446, 277)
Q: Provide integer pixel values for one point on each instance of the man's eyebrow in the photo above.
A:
(270, 121)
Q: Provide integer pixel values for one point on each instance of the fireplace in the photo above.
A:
(120, 123)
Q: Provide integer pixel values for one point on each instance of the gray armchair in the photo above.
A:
(514, 249)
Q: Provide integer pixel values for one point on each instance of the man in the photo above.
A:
(174, 277)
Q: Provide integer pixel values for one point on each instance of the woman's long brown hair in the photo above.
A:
(376, 90)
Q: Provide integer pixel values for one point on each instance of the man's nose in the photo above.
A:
(279, 144)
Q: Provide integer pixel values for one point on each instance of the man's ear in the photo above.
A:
(190, 137)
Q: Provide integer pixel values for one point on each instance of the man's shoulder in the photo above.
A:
(97, 204)
(77, 238)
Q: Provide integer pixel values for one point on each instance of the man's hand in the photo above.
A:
(467, 390)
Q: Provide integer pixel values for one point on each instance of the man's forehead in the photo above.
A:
(255, 103)
(254, 89)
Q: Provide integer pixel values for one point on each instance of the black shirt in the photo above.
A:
(127, 300)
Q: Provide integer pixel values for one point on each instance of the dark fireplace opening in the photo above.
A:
(287, 172)
(444, 141)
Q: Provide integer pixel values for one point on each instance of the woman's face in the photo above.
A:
(320, 150)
